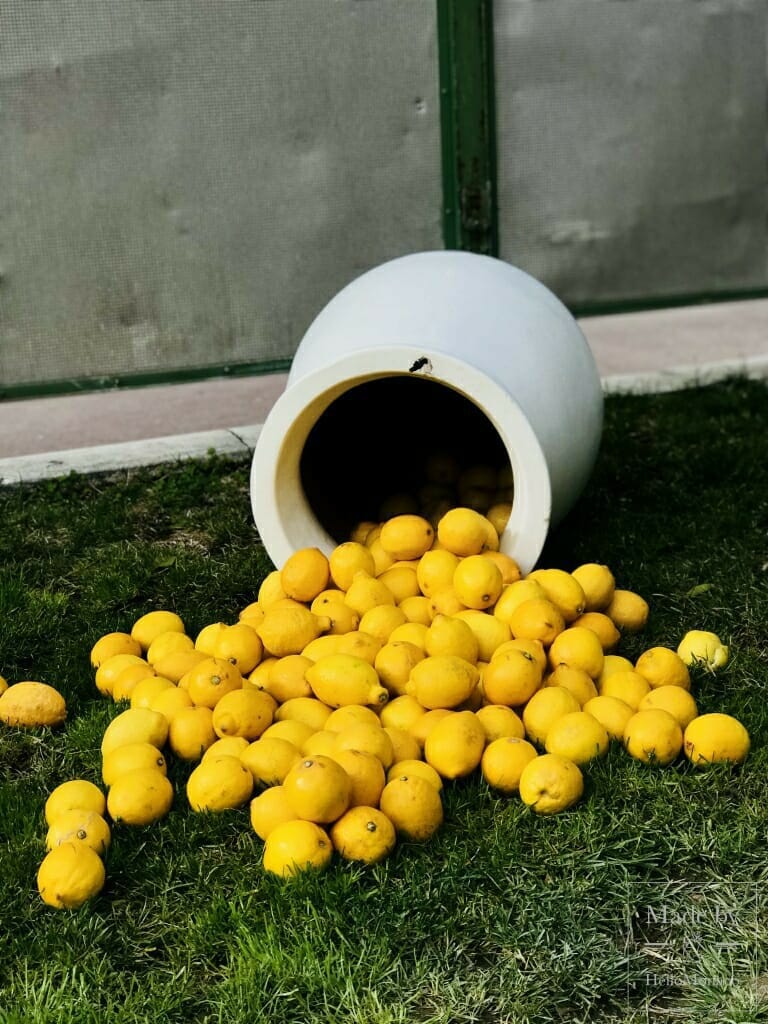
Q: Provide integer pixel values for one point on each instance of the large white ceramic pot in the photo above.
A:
(432, 352)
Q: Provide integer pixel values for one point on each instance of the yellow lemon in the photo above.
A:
(613, 663)
(231, 746)
(401, 580)
(578, 737)
(361, 530)
(318, 789)
(512, 678)
(347, 559)
(364, 834)
(145, 690)
(369, 738)
(170, 702)
(32, 704)
(111, 644)
(716, 738)
(211, 680)
(653, 736)
(270, 809)
(630, 687)
(448, 635)
(401, 713)
(241, 645)
(360, 645)
(150, 626)
(381, 560)
(191, 733)
(288, 630)
(366, 592)
(514, 594)
(245, 713)
(136, 725)
(701, 647)
(503, 762)
(168, 643)
(602, 626)
(70, 875)
(382, 620)
(130, 678)
(455, 746)
(544, 708)
(411, 632)
(343, 679)
(579, 648)
(366, 775)
(309, 710)
(562, 590)
(394, 663)
(533, 647)
(628, 610)
(205, 642)
(342, 618)
(305, 574)
(510, 570)
(293, 731)
(295, 846)
(442, 681)
(417, 609)
(498, 516)
(499, 721)
(75, 794)
(612, 713)
(464, 532)
(435, 571)
(219, 784)
(477, 582)
(421, 728)
(598, 584)
(252, 614)
(414, 807)
(414, 766)
(321, 742)
(86, 827)
(404, 744)
(406, 536)
(176, 665)
(662, 667)
(3, 684)
(259, 678)
(490, 632)
(140, 798)
(674, 700)
(446, 602)
(550, 784)
(271, 590)
(537, 619)
(131, 758)
(576, 680)
(109, 670)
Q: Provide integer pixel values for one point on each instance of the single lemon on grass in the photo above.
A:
(452, 636)
(603, 627)
(598, 583)
(414, 766)
(662, 667)
(423, 726)
(176, 665)
(543, 710)
(513, 595)
(361, 645)
(366, 592)
(499, 721)
(296, 846)
(578, 737)
(191, 733)
(270, 809)
(512, 678)
(442, 681)
(342, 679)
(150, 626)
(537, 619)
(205, 641)
(111, 644)
(478, 582)
(701, 647)
(716, 738)
(109, 670)
(269, 760)
(367, 737)
(129, 679)
(417, 609)
(630, 687)
(503, 762)
(364, 834)
(136, 725)
(209, 681)
(464, 532)
(70, 875)
(563, 590)
(673, 699)
(140, 798)
(394, 663)
(550, 784)
(168, 643)
(232, 746)
(291, 730)
(321, 742)
(170, 702)
(31, 704)
(612, 713)
(576, 680)
(288, 630)
(401, 713)
(455, 746)
(533, 647)
(406, 536)
(131, 758)
(579, 648)
(75, 794)
(309, 710)
(348, 558)
(318, 789)
(245, 713)
(305, 574)
(241, 645)
(401, 580)
(78, 826)
(366, 775)
(414, 807)
(382, 620)
(404, 744)
(219, 784)
(628, 610)
(435, 571)
(146, 689)
(653, 736)
(489, 632)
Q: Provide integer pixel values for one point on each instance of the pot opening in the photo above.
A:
(401, 444)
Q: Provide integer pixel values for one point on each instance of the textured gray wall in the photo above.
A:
(188, 182)
(632, 145)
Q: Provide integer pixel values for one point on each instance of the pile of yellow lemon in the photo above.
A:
(358, 683)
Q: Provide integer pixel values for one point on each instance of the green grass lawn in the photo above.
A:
(504, 916)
